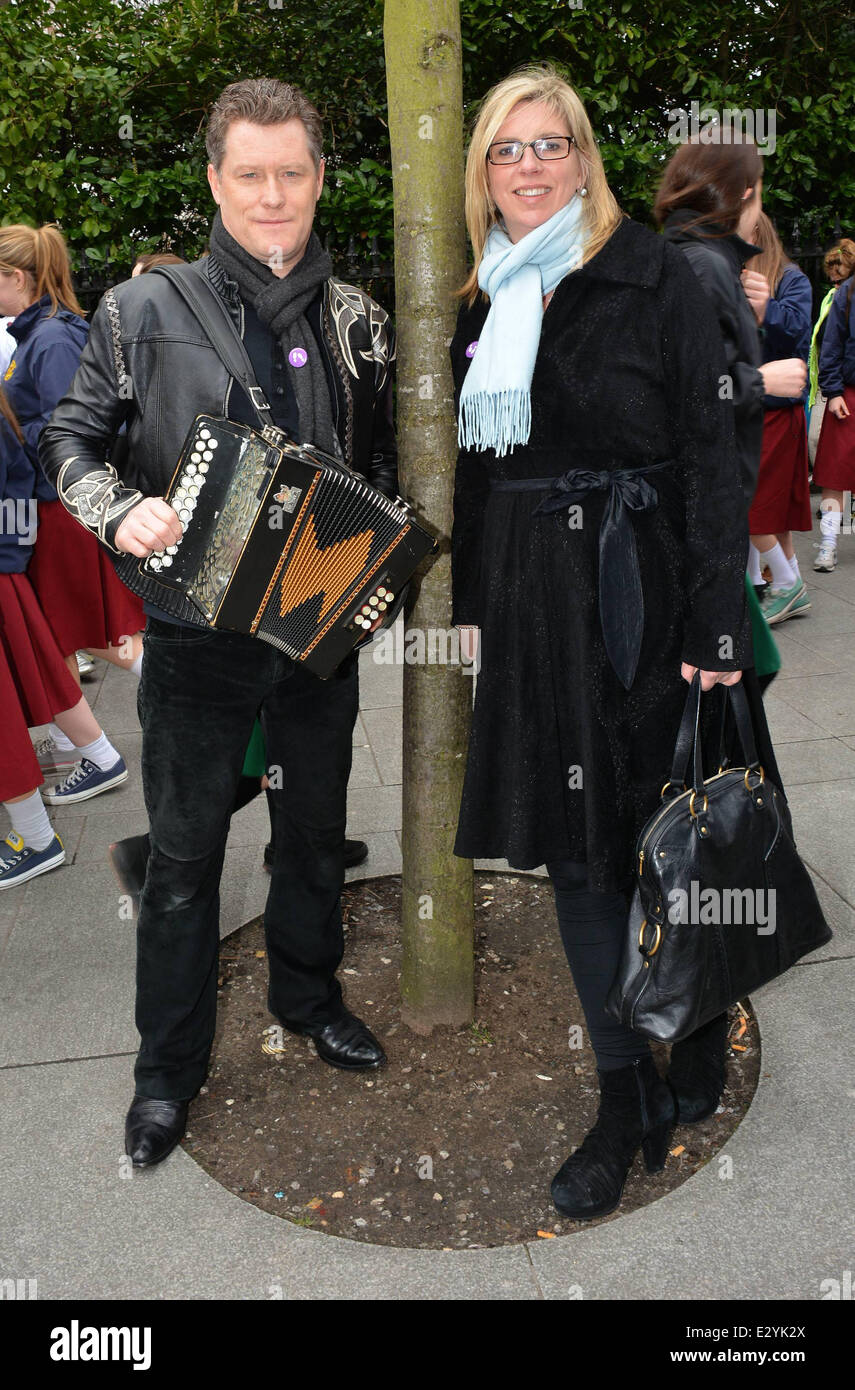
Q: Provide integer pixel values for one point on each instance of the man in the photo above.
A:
(322, 353)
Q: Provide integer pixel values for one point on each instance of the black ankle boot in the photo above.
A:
(636, 1108)
(698, 1071)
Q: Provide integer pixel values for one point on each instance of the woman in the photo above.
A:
(84, 601)
(598, 546)
(709, 201)
(839, 264)
(35, 684)
(783, 307)
(834, 469)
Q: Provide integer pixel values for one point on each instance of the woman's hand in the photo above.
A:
(710, 678)
(786, 377)
(469, 638)
(757, 292)
(839, 408)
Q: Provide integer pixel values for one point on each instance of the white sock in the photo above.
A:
(782, 571)
(136, 666)
(101, 752)
(30, 820)
(62, 741)
(754, 564)
(794, 563)
(829, 524)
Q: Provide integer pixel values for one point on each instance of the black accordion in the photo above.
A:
(283, 542)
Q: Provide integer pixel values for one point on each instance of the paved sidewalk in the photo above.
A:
(776, 1229)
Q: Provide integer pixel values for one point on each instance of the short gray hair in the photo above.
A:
(263, 101)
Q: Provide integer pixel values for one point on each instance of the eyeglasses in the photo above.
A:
(547, 147)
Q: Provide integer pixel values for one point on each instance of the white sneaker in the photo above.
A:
(85, 664)
(826, 556)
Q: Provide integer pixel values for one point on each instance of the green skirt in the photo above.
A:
(767, 658)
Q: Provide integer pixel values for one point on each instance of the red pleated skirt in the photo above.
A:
(834, 466)
(782, 500)
(35, 683)
(82, 597)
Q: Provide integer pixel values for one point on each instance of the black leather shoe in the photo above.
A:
(355, 852)
(153, 1128)
(698, 1071)
(346, 1042)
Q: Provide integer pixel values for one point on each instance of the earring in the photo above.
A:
(583, 192)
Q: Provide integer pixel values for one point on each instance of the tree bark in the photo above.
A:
(424, 82)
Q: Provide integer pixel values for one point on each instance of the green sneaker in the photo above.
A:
(779, 604)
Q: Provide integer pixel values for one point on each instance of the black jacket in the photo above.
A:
(717, 261)
(564, 763)
(148, 366)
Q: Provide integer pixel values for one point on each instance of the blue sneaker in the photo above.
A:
(18, 862)
(87, 780)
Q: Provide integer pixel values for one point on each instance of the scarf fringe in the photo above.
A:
(496, 421)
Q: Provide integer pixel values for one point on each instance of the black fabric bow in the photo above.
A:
(621, 596)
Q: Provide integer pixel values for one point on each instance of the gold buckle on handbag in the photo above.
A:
(657, 941)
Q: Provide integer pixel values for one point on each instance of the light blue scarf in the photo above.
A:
(495, 402)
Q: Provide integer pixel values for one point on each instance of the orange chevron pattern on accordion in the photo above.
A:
(329, 571)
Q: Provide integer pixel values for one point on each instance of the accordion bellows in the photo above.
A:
(284, 543)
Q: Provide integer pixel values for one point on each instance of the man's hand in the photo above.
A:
(839, 408)
(710, 678)
(757, 292)
(151, 525)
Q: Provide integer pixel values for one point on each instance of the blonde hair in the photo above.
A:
(536, 83)
(773, 260)
(40, 252)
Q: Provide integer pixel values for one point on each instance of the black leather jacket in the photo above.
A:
(148, 366)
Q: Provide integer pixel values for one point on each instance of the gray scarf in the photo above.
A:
(280, 303)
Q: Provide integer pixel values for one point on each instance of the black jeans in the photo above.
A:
(593, 928)
(199, 694)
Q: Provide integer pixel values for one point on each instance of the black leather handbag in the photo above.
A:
(722, 903)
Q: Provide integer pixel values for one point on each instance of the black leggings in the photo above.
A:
(593, 926)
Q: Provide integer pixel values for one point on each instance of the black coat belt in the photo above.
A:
(621, 597)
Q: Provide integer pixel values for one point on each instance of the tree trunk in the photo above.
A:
(423, 73)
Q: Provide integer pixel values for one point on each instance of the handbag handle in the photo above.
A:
(688, 744)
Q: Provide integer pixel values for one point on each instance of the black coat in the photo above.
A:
(563, 761)
(717, 261)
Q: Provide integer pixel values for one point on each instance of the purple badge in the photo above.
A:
(298, 357)
(470, 351)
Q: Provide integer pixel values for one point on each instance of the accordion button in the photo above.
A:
(190, 470)
(382, 607)
(207, 455)
(154, 563)
(204, 434)
(195, 457)
(203, 467)
(389, 595)
(185, 514)
(193, 491)
(171, 549)
(212, 443)
(366, 609)
(167, 560)
(374, 615)
(381, 592)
